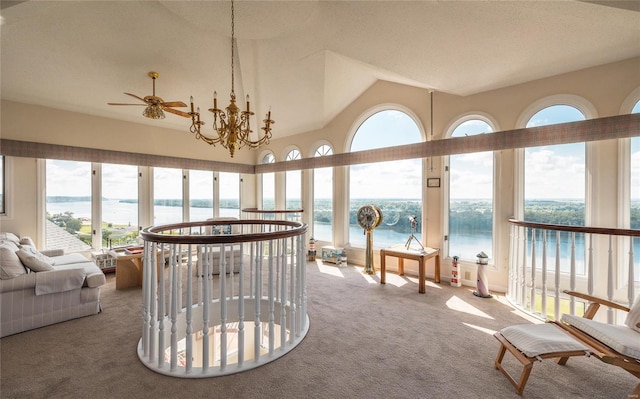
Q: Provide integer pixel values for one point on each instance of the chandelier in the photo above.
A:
(232, 128)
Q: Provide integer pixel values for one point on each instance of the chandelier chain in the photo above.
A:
(233, 31)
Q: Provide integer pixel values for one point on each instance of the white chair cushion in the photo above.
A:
(620, 338)
(633, 318)
(539, 339)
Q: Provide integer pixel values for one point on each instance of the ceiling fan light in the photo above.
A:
(153, 112)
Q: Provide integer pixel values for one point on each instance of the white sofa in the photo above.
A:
(42, 288)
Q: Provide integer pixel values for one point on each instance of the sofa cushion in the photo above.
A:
(94, 276)
(10, 264)
(69, 259)
(633, 318)
(27, 241)
(34, 260)
(9, 237)
(59, 281)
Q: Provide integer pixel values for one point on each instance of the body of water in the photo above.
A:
(464, 245)
(126, 213)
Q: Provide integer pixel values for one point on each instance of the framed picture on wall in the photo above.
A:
(433, 182)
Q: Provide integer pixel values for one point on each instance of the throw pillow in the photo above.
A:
(34, 260)
(27, 241)
(10, 237)
(10, 265)
(633, 318)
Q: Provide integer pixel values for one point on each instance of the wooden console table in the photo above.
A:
(402, 253)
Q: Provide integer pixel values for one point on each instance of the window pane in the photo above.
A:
(395, 187)
(268, 186)
(554, 188)
(167, 196)
(3, 210)
(471, 197)
(119, 204)
(635, 195)
(293, 184)
(200, 195)
(323, 199)
(68, 205)
(229, 194)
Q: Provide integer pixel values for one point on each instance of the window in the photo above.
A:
(68, 205)
(471, 197)
(634, 202)
(395, 187)
(323, 198)
(268, 186)
(229, 194)
(119, 204)
(3, 202)
(200, 195)
(167, 196)
(554, 185)
(293, 184)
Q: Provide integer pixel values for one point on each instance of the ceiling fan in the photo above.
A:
(155, 105)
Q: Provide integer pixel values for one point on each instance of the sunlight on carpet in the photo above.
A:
(368, 277)
(482, 329)
(457, 304)
(326, 269)
(396, 280)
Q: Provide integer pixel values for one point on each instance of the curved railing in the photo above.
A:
(221, 297)
(277, 214)
(545, 259)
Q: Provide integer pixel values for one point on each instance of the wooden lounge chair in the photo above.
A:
(618, 345)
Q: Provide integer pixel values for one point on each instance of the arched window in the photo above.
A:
(395, 186)
(293, 183)
(554, 176)
(470, 197)
(268, 185)
(323, 198)
(554, 186)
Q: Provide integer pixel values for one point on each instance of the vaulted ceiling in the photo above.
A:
(307, 60)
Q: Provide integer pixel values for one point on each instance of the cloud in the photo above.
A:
(555, 172)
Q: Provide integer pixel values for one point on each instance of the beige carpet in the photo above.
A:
(365, 340)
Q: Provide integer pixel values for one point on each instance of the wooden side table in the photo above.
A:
(129, 268)
(402, 253)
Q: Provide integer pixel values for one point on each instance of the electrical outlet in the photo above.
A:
(467, 275)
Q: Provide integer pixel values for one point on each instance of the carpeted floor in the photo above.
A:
(365, 340)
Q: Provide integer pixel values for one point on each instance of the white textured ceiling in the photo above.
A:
(306, 59)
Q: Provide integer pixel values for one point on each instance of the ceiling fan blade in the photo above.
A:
(134, 96)
(174, 104)
(176, 112)
(144, 105)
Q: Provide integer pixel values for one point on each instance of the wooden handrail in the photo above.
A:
(154, 233)
(577, 229)
(256, 210)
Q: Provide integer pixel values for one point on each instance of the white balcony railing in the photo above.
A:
(546, 259)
